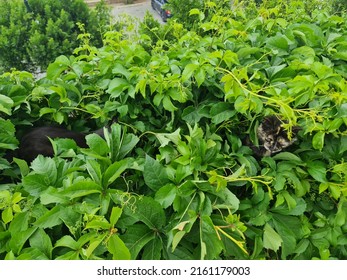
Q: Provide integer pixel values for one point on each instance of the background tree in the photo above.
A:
(340, 6)
(14, 21)
(180, 10)
(33, 35)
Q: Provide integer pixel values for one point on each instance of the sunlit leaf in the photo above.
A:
(271, 239)
(117, 248)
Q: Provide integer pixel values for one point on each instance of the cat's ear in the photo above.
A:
(269, 122)
(276, 120)
(271, 119)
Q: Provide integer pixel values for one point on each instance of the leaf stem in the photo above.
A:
(239, 244)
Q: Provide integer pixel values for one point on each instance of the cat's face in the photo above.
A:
(273, 136)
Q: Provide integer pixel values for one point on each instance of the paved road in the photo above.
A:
(137, 10)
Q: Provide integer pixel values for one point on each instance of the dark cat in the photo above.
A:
(36, 142)
(272, 137)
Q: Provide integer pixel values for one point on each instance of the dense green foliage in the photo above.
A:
(172, 179)
(33, 36)
(340, 6)
(181, 9)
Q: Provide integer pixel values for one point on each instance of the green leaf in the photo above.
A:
(118, 249)
(23, 166)
(34, 184)
(205, 204)
(189, 71)
(117, 87)
(70, 255)
(41, 241)
(136, 237)
(192, 115)
(7, 215)
(242, 104)
(278, 44)
(85, 239)
(46, 167)
(226, 200)
(63, 60)
(247, 51)
(168, 105)
(115, 215)
(177, 238)
(177, 95)
(94, 170)
(230, 58)
(271, 239)
(128, 143)
(221, 112)
(59, 117)
(81, 188)
(282, 226)
(20, 238)
(200, 76)
(166, 138)
(155, 174)
(98, 223)
(45, 110)
(118, 68)
(258, 247)
(51, 218)
(317, 170)
(291, 202)
(298, 207)
(6, 104)
(68, 242)
(302, 246)
(120, 142)
(150, 212)
(114, 171)
(194, 11)
(141, 87)
(97, 144)
(285, 74)
(64, 147)
(323, 187)
(16, 197)
(7, 135)
(5, 198)
(335, 191)
(288, 157)
(71, 216)
(152, 250)
(318, 140)
(341, 215)
(56, 68)
(166, 195)
(20, 222)
(52, 195)
(94, 244)
(211, 245)
(32, 254)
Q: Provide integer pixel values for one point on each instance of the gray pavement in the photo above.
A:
(137, 10)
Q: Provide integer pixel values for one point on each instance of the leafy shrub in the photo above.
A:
(33, 36)
(14, 34)
(339, 6)
(159, 35)
(181, 10)
(173, 179)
